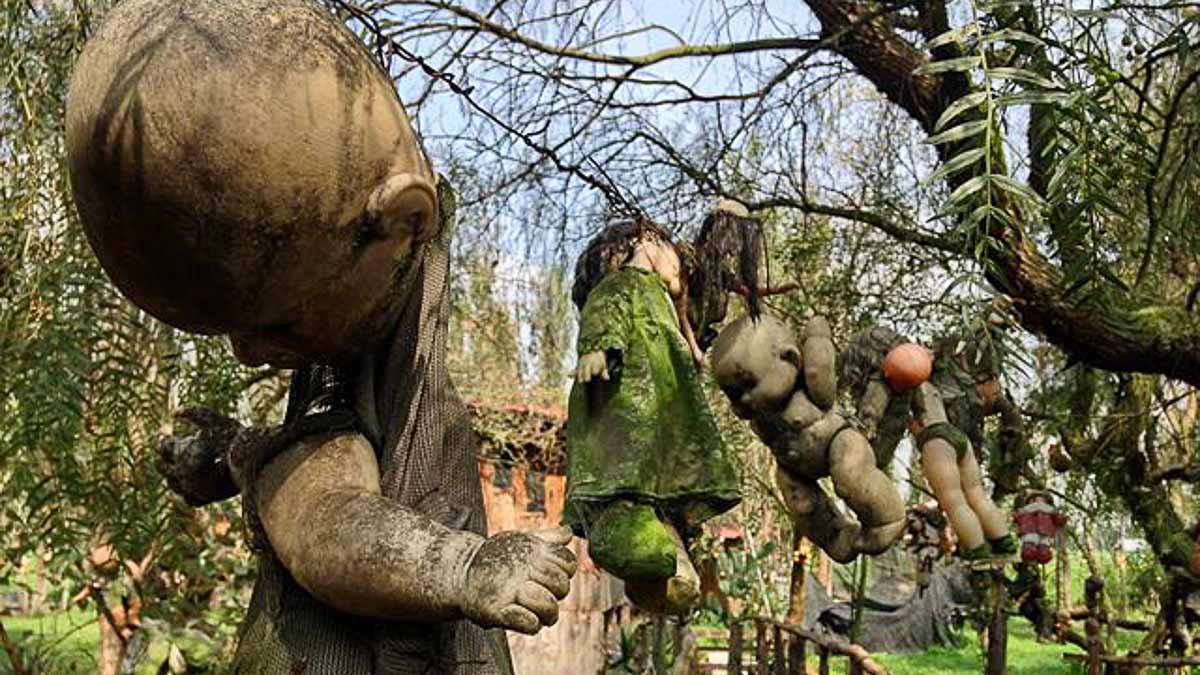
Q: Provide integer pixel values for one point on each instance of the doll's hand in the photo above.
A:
(590, 366)
(516, 579)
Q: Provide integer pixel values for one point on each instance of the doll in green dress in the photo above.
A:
(647, 464)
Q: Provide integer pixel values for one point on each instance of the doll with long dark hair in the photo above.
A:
(647, 462)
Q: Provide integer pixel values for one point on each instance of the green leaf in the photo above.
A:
(1021, 190)
(952, 35)
(967, 189)
(954, 165)
(964, 130)
(968, 102)
(957, 65)
(1012, 35)
(1021, 75)
(984, 212)
(1033, 97)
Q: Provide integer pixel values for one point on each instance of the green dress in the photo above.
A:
(647, 434)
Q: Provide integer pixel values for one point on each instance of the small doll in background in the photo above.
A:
(1038, 523)
(647, 464)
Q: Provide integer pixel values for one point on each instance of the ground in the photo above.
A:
(69, 642)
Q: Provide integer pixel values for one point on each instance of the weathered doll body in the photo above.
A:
(646, 461)
(243, 167)
(787, 388)
(947, 455)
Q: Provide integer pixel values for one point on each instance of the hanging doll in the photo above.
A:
(1038, 522)
(647, 463)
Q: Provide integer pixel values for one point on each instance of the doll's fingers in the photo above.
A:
(520, 619)
(560, 536)
(553, 578)
(537, 599)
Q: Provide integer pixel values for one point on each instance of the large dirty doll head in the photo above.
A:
(245, 168)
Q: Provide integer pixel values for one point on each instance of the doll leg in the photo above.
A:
(991, 519)
(940, 464)
(630, 542)
(678, 594)
(869, 493)
(939, 459)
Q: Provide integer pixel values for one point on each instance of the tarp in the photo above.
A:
(898, 617)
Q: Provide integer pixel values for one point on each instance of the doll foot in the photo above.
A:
(1003, 546)
(877, 539)
(630, 542)
(677, 595)
(980, 552)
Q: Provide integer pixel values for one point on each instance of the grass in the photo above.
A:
(69, 642)
(66, 642)
(1026, 656)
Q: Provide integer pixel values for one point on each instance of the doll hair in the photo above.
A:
(611, 249)
(725, 258)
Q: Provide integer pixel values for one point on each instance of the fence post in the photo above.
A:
(1092, 588)
(797, 654)
(780, 657)
(735, 648)
(762, 656)
(997, 657)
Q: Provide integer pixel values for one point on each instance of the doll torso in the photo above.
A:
(647, 433)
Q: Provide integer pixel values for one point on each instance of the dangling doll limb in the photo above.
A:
(941, 470)
(945, 453)
(992, 520)
(817, 517)
(678, 594)
(869, 493)
(685, 327)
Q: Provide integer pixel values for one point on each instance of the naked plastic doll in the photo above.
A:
(647, 463)
(787, 388)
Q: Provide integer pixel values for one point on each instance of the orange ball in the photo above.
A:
(906, 366)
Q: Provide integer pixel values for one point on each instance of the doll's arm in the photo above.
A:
(364, 554)
(685, 327)
(820, 362)
(604, 330)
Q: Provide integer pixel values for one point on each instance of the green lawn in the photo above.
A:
(55, 643)
(69, 642)
(1026, 656)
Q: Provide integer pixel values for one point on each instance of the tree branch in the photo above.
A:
(1113, 333)
(638, 61)
(872, 218)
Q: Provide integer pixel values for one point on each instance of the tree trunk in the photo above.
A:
(118, 625)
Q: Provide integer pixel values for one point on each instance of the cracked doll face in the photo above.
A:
(756, 363)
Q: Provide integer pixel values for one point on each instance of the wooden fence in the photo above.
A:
(763, 646)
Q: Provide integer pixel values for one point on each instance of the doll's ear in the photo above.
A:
(404, 201)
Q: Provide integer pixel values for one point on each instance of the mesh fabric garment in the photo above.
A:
(405, 406)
